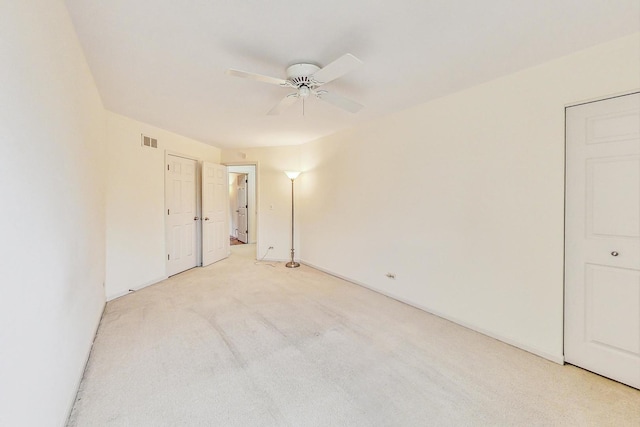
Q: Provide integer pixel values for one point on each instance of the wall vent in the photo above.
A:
(147, 141)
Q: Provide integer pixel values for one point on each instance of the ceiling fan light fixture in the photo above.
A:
(304, 91)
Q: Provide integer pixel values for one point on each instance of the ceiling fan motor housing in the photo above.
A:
(300, 75)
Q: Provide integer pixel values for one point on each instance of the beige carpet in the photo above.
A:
(245, 344)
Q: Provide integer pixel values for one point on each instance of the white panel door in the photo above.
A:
(243, 207)
(602, 271)
(215, 203)
(181, 231)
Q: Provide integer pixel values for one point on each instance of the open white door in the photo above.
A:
(602, 271)
(215, 204)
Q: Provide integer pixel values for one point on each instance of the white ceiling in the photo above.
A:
(163, 61)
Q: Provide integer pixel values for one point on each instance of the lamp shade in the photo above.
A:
(292, 174)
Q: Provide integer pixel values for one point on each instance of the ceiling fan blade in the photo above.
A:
(258, 77)
(284, 103)
(337, 68)
(339, 101)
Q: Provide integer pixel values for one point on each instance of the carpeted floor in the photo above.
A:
(245, 344)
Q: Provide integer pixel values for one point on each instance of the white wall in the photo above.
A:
(252, 214)
(462, 198)
(52, 216)
(135, 201)
(274, 196)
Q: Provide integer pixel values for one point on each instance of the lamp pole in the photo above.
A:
(292, 176)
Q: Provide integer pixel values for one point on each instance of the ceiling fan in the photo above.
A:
(306, 79)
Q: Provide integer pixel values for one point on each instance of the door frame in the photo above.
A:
(564, 225)
(256, 164)
(198, 181)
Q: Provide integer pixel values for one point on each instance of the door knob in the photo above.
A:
(195, 218)
(206, 218)
(614, 253)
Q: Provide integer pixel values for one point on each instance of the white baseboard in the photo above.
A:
(111, 297)
(274, 260)
(559, 359)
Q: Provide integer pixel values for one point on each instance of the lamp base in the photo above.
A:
(292, 264)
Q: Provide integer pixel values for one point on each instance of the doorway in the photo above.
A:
(238, 208)
(602, 246)
(243, 228)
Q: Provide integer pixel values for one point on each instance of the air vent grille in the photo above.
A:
(147, 141)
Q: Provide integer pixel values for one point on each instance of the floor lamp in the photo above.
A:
(292, 176)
